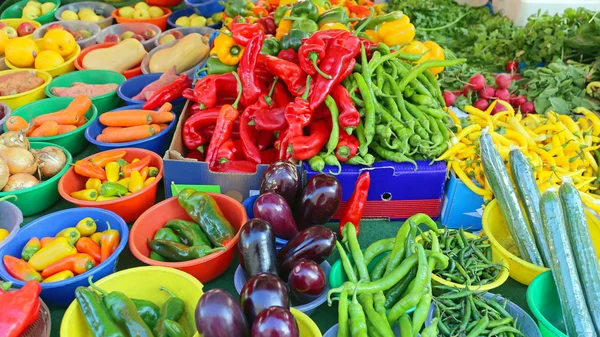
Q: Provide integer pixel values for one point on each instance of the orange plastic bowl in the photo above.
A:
(127, 73)
(129, 207)
(204, 269)
(160, 21)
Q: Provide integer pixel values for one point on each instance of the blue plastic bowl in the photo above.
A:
(62, 293)
(191, 10)
(211, 6)
(133, 86)
(157, 143)
(249, 206)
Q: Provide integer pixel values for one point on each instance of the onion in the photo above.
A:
(18, 160)
(4, 173)
(14, 139)
(51, 161)
(20, 181)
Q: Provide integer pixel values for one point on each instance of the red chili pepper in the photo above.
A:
(208, 88)
(270, 119)
(321, 112)
(248, 133)
(313, 50)
(265, 140)
(252, 88)
(168, 93)
(209, 131)
(268, 156)
(305, 147)
(20, 309)
(243, 31)
(349, 116)
(370, 47)
(288, 72)
(281, 97)
(226, 152)
(192, 138)
(347, 147)
(137, 166)
(87, 169)
(359, 11)
(103, 158)
(298, 114)
(289, 55)
(195, 154)
(268, 23)
(236, 166)
(356, 204)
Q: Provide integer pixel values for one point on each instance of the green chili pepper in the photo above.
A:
(335, 15)
(357, 254)
(379, 269)
(148, 311)
(358, 320)
(423, 271)
(367, 160)
(378, 247)
(96, 315)
(172, 310)
(376, 21)
(391, 155)
(397, 254)
(316, 163)
(478, 329)
(395, 294)
(369, 120)
(190, 232)
(167, 234)
(360, 134)
(403, 305)
(109, 189)
(346, 263)
(405, 326)
(331, 159)
(379, 303)
(335, 130)
(380, 327)
(157, 257)
(180, 252)
(414, 72)
(431, 329)
(343, 315)
(215, 66)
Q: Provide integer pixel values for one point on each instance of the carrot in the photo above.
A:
(126, 118)
(166, 107)
(110, 129)
(30, 131)
(127, 134)
(66, 128)
(156, 128)
(162, 117)
(16, 123)
(61, 117)
(79, 106)
(47, 129)
(163, 126)
(82, 121)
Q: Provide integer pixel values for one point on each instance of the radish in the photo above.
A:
(518, 101)
(503, 81)
(449, 98)
(487, 93)
(516, 77)
(497, 108)
(477, 82)
(512, 66)
(527, 108)
(457, 93)
(481, 104)
(503, 94)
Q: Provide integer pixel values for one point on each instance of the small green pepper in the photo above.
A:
(174, 329)
(305, 25)
(270, 47)
(171, 310)
(293, 40)
(235, 8)
(148, 311)
(215, 66)
(167, 234)
(304, 10)
(189, 232)
(109, 189)
(335, 15)
(180, 252)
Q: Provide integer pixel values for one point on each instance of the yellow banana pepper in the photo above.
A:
(124, 181)
(53, 252)
(334, 25)
(71, 233)
(97, 237)
(92, 183)
(86, 226)
(60, 276)
(87, 194)
(227, 50)
(149, 181)
(103, 198)
(112, 171)
(136, 183)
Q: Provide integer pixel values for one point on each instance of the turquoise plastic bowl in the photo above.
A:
(542, 298)
(16, 11)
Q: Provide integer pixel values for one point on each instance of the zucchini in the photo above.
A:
(503, 190)
(529, 193)
(586, 259)
(577, 318)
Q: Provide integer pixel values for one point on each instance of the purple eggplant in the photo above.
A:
(315, 243)
(275, 322)
(273, 208)
(261, 292)
(282, 178)
(318, 202)
(219, 315)
(256, 248)
(306, 280)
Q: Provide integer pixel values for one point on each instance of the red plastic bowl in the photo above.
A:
(163, 3)
(204, 269)
(127, 73)
(160, 21)
(129, 207)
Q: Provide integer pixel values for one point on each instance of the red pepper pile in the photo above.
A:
(282, 114)
(19, 309)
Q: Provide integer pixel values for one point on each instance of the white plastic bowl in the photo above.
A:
(239, 279)
(7, 113)
(99, 8)
(136, 28)
(185, 31)
(10, 220)
(74, 26)
(146, 61)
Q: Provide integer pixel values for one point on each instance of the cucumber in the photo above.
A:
(497, 176)
(586, 259)
(529, 193)
(575, 313)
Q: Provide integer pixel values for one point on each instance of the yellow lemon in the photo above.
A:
(60, 41)
(21, 52)
(3, 234)
(85, 11)
(3, 41)
(47, 59)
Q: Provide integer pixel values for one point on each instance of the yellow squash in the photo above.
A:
(183, 55)
(120, 57)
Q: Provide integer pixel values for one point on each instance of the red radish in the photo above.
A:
(516, 77)
(477, 82)
(527, 108)
(518, 101)
(503, 94)
(449, 98)
(503, 81)
(457, 93)
(512, 66)
(466, 90)
(481, 104)
(487, 93)
(497, 108)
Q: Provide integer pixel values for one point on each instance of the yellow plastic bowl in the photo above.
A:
(18, 100)
(14, 23)
(141, 283)
(496, 230)
(62, 69)
(501, 278)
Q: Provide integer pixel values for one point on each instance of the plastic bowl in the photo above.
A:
(500, 279)
(496, 230)
(542, 298)
(206, 31)
(204, 269)
(193, 10)
(16, 11)
(157, 143)
(11, 221)
(40, 197)
(133, 86)
(135, 71)
(7, 113)
(160, 21)
(19, 100)
(91, 27)
(146, 61)
(239, 279)
(163, 3)
(249, 206)
(73, 141)
(136, 28)
(211, 6)
(62, 293)
(16, 22)
(129, 207)
(101, 9)
(42, 325)
(141, 283)
(102, 103)
(67, 67)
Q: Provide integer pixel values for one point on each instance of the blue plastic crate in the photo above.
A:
(460, 206)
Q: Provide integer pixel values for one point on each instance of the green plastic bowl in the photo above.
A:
(102, 103)
(40, 197)
(542, 298)
(16, 11)
(73, 141)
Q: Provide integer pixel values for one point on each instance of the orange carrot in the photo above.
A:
(163, 126)
(47, 129)
(127, 134)
(66, 128)
(16, 123)
(60, 117)
(166, 107)
(110, 129)
(156, 128)
(162, 117)
(79, 106)
(30, 131)
(82, 121)
(126, 118)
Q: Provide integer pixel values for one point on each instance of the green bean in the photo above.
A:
(346, 262)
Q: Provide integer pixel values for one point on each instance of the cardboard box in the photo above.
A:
(461, 206)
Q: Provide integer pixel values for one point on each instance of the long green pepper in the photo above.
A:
(335, 130)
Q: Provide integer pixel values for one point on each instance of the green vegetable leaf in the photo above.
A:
(559, 105)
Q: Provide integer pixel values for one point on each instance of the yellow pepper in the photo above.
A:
(97, 237)
(135, 160)
(415, 47)
(87, 194)
(71, 233)
(334, 25)
(284, 27)
(149, 181)
(435, 53)
(86, 226)
(373, 36)
(136, 183)
(227, 22)
(112, 171)
(124, 181)
(55, 251)
(287, 2)
(60, 276)
(103, 198)
(320, 9)
(3, 234)
(227, 50)
(93, 183)
(397, 32)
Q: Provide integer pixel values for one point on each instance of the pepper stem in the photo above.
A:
(108, 224)
(239, 87)
(273, 86)
(307, 88)
(312, 56)
(168, 291)
(364, 24)
(343, 151)
(95, 287)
